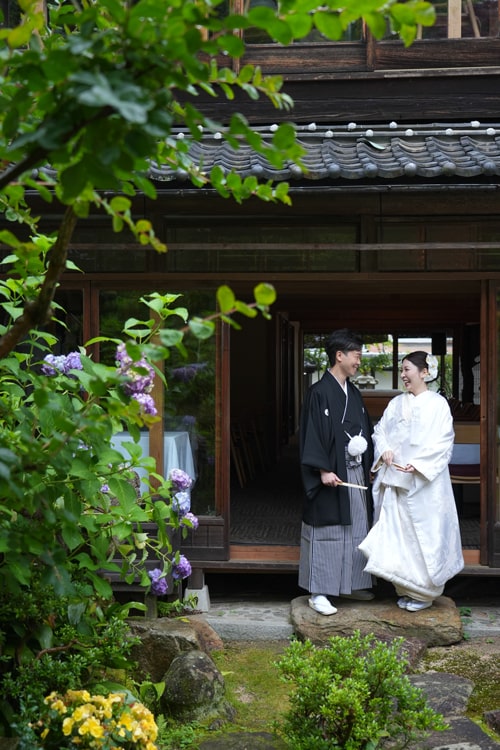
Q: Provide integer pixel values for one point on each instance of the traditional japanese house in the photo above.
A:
(394, 231)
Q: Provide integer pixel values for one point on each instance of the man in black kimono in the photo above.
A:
(335, 447)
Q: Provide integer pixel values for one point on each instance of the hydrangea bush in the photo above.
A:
(69, 514)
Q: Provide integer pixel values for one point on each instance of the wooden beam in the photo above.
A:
(271, 553)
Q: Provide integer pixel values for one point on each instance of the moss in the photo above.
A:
(253, 684)
(481, 669)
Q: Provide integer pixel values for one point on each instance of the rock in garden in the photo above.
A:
(492, 718)
(440, 625)
(195, 690)
(161, 640)
(208, 639)
(448, 694)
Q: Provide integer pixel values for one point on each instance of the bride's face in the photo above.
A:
(412, 377)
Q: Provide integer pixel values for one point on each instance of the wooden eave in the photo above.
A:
(439, 153)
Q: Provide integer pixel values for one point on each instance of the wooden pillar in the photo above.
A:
(454, 19)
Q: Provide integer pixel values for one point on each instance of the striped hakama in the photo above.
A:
(330, 562)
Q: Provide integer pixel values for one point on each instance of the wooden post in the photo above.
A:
(454, 19)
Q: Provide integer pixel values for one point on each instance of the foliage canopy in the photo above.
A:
(90, 96)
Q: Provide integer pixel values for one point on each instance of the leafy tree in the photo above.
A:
(96, 89)
(89, 97)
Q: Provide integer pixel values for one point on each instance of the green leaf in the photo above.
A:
(376, 24)
(170, 336)
(202, 329)
(225, 298)
(76, 612)
(329, 24)
(265, 294)
(97, 91)
(72, 536)
(44, 635)
(300, 24)
(244, 309)
(19, 36)
(408, 34)
(231, 45)
(120, 204)
(281, 192)
(74, 180)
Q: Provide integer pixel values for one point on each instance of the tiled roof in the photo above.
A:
(359, 152)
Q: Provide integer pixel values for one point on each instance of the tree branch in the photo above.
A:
(38, 312)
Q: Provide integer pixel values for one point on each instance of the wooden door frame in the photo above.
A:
(490, 524)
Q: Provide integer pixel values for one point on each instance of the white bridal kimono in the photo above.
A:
(415, 542)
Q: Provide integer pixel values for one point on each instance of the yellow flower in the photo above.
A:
(67, 726)
(83, 712)
(93, 727)
(59, 706)
(92, 721)
(75, 696)
(140, 711)
(116, 697)
(127, 720)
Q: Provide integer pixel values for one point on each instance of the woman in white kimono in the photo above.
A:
(415, 543)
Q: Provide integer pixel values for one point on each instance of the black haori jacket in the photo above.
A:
(323, 438)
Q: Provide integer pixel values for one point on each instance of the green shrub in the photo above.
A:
(51, 644)
(352, 694)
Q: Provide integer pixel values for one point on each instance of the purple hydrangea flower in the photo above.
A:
(105, 488)
(159, 585)
(180, 479)
(146, 402)
(123, 360)
(181, 569)
(53, 364)
(181, 502)
(189, 519)
(138, 382)
(188, 420)
(140, 374)
(73, 362)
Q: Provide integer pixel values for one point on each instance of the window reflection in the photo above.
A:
(190, 376)
(381, 357)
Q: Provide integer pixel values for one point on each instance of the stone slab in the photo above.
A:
(439, 625)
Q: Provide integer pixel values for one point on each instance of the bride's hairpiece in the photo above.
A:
(432, 366)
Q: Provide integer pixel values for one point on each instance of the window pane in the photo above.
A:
(190, 395)
(457, 19)
(190, 400)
